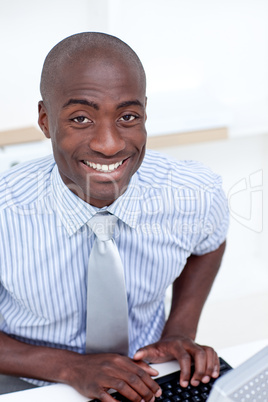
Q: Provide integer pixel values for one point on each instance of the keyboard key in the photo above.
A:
(168, 393)
(176, 398)
(167, 386)
(185, 395)
(195, 391)
(189, 387)
(204, 388)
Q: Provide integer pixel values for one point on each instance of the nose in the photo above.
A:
(107, 140)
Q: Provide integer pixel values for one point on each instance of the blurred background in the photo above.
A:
(207, 70)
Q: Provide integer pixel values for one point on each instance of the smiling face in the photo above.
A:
(95, 117)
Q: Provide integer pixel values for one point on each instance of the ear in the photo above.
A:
(43, 118)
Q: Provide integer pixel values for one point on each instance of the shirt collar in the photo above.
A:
(127, 206)
(75, 213)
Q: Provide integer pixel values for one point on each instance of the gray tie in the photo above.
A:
(107, 310)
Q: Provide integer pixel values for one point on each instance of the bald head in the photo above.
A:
(86, 46)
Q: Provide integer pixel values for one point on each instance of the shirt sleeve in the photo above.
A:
(215, 224)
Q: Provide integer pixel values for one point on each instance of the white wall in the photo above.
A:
(206, 61)
(28, 30)
(214, 52)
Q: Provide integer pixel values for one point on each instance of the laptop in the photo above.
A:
(248, 382)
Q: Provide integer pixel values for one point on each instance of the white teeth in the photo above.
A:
(103, 168)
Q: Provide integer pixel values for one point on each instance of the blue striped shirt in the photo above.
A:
(170, 210)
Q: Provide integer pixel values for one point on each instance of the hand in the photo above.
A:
(93, 375)
(183, 349)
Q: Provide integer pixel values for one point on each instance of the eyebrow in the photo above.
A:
(135, 102)
(81, 102)
(70, 102)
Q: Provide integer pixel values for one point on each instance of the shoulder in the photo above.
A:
(23, 183)
(160, 169)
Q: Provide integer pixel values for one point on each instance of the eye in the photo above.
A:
(81, 120)
(128, 117)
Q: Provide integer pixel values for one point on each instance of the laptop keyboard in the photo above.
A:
(173, 392)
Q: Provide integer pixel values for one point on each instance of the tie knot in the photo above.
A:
(103, 225)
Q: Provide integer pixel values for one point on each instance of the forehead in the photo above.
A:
(92, 76)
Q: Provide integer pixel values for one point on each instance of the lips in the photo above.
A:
(102, 167)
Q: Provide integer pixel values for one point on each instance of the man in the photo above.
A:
(172, 222)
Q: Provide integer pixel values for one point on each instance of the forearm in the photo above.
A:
(91, 375)
(24, 360)
(190, 291)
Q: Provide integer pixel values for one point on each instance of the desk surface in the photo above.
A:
(59, 392)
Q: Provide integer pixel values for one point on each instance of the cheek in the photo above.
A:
(62, 150)
(61, 141)
(142, 153)
(138, 137)
(140, 147)
(141, 143)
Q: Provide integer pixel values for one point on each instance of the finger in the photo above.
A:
(138, 380)
(149, 382)
(140, 355)
(146, 367)
(155, 353)
(102, 395)
(200, 365)
(206, 363)
(146, 354)
(213, 363)
(160, 352)
(136, 392)
(185, 360)
(216, 370)
(152, 372)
